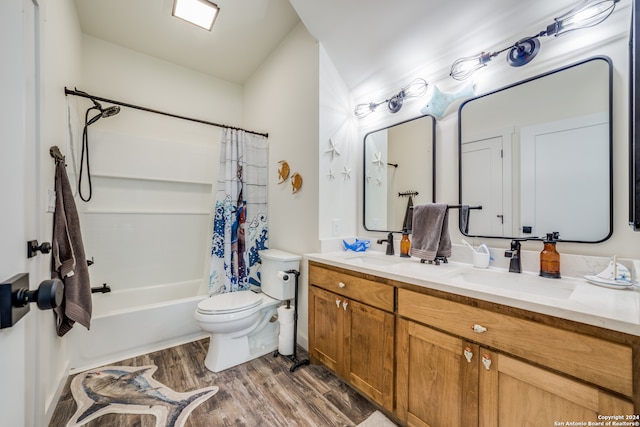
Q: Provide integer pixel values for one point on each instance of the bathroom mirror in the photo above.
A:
(634, 119)
(399, 166)
(537, 156)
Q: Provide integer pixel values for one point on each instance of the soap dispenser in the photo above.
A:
(405, 244)
(549, 257)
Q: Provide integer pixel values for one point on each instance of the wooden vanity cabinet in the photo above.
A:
(352, 329)
(474, 367)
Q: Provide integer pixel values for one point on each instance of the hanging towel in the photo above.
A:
(408, 216)
(464, 218)
(431, 231)
(68, 261)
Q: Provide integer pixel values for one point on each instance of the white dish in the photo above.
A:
(613, 284)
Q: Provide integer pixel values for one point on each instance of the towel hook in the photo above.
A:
(54, 151)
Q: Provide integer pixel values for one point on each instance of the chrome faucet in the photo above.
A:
(389, 241)
(515, 265)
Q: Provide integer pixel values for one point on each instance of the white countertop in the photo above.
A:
(568, 298)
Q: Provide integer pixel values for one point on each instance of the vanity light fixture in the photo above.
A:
(587, 13)
(416, 88)
(202, 13)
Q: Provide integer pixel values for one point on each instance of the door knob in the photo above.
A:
(33, 248)
(15, 297)
(48, 295)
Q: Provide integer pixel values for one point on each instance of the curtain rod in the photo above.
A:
(150, 110)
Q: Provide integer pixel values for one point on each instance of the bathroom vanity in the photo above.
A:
(450, 345)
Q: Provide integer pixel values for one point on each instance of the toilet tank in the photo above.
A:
(273, 262)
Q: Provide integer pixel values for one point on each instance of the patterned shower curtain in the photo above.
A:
(240, 218)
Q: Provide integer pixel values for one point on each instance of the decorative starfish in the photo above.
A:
(330, 174)
(368, 177)
(332, 149)
(379, 182)
(346, 173)
(378, 160)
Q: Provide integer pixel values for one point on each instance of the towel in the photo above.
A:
(68, 261)
(464, 219)
(408, 216)
(431, 231)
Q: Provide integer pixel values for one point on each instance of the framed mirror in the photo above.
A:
(537, 156)
(634, 122)
(399, 169)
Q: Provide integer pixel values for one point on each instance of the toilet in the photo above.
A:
(243, 324)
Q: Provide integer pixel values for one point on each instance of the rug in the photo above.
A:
(132, 390)
(377, 419)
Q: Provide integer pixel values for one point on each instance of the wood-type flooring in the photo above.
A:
(262, 392)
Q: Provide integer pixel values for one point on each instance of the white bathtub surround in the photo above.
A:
(131, 322)
(240, 217)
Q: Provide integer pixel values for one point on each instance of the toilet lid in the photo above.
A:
(230, 302)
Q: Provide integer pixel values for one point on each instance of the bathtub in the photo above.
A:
(128, 323)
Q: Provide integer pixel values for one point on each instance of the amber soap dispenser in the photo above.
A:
(405, 244)
(550, 258)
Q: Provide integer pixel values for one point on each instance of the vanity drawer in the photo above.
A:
(595, 360)
(357, 288)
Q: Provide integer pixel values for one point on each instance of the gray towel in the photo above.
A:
(69, 262)
(464, 219)
(431, 231)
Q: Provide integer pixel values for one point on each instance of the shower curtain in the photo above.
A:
(240, 217)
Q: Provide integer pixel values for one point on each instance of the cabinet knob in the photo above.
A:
(344, 305)
(478, 328)
(341, 285)
(338, 303)
(468, 354)
(486, 361)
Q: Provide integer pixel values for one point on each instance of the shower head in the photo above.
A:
(110, 111)
(104, 112)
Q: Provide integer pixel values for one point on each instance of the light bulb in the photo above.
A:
(363, 110)
(416, 88)
(585, 14)
(464, 67)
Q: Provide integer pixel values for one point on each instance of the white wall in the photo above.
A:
(61, 65)
(281, 98)
(609, 38)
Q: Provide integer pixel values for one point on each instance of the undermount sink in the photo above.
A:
(523, 282)
(373, 259)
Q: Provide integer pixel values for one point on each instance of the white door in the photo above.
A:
(578, 201)
(18, 199)
(486, 182)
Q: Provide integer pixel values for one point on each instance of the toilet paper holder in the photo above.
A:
(293, 357)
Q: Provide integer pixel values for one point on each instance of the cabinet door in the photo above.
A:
(515, 393)
(436, 385)
(369, 350)
(326, 325)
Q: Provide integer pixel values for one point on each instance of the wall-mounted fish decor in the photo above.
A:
(296, 182)
(283, 171)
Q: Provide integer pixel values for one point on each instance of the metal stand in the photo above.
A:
(296, 363)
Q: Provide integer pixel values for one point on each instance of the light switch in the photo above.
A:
(51, 201)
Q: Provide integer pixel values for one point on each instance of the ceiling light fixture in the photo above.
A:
(585, 14)
(202, 13)
(416, 88)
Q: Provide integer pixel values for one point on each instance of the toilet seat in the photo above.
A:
(230, 302)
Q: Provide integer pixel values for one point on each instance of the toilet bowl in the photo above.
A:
(241, 327)
(243, 324)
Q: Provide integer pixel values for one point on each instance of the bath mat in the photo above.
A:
(377, 419)
(132, 390)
